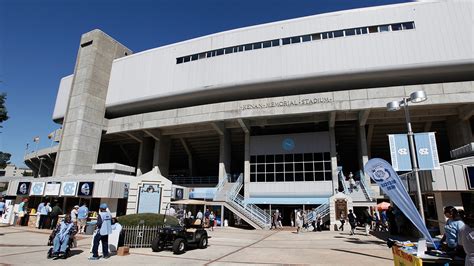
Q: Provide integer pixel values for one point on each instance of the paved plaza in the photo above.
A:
(228, 246)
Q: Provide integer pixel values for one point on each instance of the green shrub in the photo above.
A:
(149, 219)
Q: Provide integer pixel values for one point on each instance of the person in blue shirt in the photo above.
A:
(62, 234)
(452, 228)
(104, 229)
(82, 215)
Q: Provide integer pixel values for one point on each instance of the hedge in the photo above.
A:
(149, 219)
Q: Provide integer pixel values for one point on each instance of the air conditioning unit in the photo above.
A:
(463, 151)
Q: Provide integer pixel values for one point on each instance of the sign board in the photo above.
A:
(7, 214)
(52, 189)
(341, 208)
(400, 152)
(470, 176)
(68, 189)
(149, 200)
(23, 188)
(178, 193)
(85, 189)
(37, 189)
(126, 188)
(401, 258)
(426, 151)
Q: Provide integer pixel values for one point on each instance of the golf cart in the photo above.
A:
(179, 238)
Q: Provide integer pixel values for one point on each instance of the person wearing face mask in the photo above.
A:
(104, 229)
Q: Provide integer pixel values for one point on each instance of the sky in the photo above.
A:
(39, 41)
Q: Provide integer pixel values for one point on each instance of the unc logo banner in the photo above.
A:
(400, 152)
(426, 151)
(386, 177)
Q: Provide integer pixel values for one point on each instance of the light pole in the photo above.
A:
(415, 97)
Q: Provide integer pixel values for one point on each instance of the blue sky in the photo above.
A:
(39, 42)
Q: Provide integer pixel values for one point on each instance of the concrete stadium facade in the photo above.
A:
(285, 104)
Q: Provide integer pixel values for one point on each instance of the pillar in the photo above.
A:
(84, 119)
(363, 151)
(333, 153)
(145, 156)
(247, 166)
(224, 154)
(161, 155)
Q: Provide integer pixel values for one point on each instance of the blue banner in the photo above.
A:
(426, 151)
(400, 152)
(382, 172)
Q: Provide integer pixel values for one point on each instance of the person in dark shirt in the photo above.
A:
(55, 212)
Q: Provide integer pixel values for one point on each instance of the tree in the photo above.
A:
(4, 157)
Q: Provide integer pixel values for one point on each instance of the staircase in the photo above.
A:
(362, 192)
(322, 210)
(229, 194)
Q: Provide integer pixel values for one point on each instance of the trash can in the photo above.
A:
(90, 227)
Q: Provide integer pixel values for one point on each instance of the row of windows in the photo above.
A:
(286, 167)
(297, 157)
(291, 177)
(298, 39)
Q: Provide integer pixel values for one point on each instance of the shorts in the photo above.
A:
(82, 222)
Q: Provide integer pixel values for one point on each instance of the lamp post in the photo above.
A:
(415, 97)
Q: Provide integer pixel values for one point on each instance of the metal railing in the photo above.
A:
(139, 236)
(251, 211)
(220, 185)
(193, 180)
(364, 186)
(342, 178)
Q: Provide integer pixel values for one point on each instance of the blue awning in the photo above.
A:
(287, 201)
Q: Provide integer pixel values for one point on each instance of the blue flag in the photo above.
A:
(382, 173)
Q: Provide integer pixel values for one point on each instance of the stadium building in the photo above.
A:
(276, 115)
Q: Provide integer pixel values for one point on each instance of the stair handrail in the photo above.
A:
(220, 185)
(342, 178)
(364, 186)
(322, 210)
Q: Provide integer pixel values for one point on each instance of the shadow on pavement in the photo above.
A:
(362, 254)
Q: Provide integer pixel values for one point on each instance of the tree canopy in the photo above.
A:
(4, 157)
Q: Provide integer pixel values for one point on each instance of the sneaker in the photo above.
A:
(106, 256)
(93, 258)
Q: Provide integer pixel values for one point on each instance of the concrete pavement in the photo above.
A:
(228, 246)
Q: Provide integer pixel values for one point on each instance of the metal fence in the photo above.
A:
(139, 236)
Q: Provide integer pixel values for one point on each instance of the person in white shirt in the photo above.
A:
(74, 213)
(199, 215)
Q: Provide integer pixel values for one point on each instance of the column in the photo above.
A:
(84, 120)
(247, 166)
(363, 151)
(161, 156)
(333, 153)
(224, 154)
(145, 156)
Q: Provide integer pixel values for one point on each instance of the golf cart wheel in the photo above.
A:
(157, 245)
(203, 242)
(179, 246)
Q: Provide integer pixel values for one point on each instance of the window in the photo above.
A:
(270, 177)
(257, 45)
(179, 60)
(267, 44)
(260, 177)
(279, 177)
(373, 29)
(361, 31)
(384, 28)
(306, 38)
(408, 25)
(350, 32)
(186, 59)
(202, 55)
(261, 159)
(396, 27)
(339, 33)
(219, 52)
(276, 43)
(327, 35)
(295, 39)
(210, 54)
(194, 57)
(248, 47)
(316, 36)
(289, 177)
(270, 158)
(240, 48)
(228, 50)
(286, 41)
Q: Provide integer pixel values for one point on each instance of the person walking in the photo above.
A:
(55, 212)
(352, 221)
(74, 213)
(367, 221)
(211, 220)
(2, 207)
(299, 221)
(342, 219)
(319, 223)
(22, 212)
(82, 215)
(276, 214)
(43, 215)
(104, 229)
